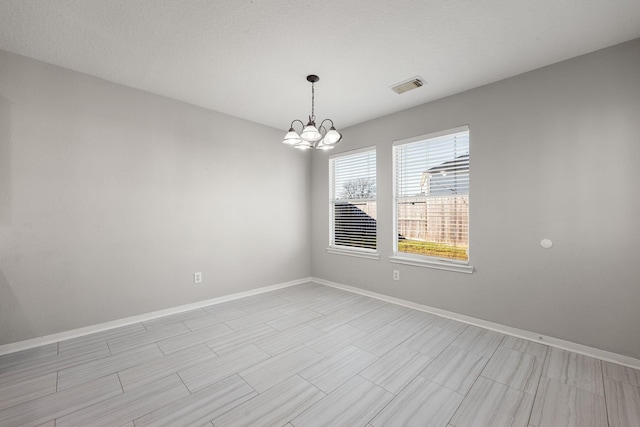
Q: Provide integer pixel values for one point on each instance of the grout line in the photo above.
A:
(535, 395)
(120, 381)
(474, 382)
(604, 393)
(182, 381)
(395, 396)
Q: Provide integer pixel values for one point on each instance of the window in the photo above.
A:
(353, 212)
(431, 203)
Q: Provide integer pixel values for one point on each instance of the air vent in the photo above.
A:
(407, 85)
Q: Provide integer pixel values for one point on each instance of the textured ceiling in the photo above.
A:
(249, 58)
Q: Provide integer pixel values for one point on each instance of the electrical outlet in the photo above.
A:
(197, 277)
(396, 274)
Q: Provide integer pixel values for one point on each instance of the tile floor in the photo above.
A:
(311, 355)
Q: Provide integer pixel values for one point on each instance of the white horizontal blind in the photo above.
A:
(432, 195)
(352, 184)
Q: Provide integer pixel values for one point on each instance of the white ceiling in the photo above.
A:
(249, 58)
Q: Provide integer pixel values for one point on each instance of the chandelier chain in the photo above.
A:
(313, 98)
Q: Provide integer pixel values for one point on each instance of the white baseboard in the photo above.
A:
(75, 333)
(497, 327)
(519, 333)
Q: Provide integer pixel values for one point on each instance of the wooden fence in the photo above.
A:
(448, 219)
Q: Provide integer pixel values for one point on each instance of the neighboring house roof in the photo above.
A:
(460, 163)
(434, 180)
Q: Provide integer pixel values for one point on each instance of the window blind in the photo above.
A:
(353, 200)
(432, 195)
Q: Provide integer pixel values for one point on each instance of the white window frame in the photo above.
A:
(349, 250)
(415, 259)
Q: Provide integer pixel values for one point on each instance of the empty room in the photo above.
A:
(332, 213)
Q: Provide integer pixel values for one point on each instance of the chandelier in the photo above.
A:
(312, 136)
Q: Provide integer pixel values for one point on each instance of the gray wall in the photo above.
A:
(110, 199)
(554, 154)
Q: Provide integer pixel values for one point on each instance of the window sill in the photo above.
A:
(354, 252)
(436, 264)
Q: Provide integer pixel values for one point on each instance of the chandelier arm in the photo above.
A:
(299, 121)
(327, 120)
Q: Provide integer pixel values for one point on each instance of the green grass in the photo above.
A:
(441, 250)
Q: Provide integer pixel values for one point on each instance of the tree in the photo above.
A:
(359, 188)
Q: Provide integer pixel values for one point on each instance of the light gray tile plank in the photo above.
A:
(16, 392)
(376, 319)
(213, 370)
(97, 368)
(294, 319)
(216, 315)
(44, 365)
(201, 407)
(231, 342)
(126, 407)
(155, 369)
(431, 341)
(525, 346)
(383, 340)
(85, 348)
(100, 338)
(264, 375)
(354, 403)
(574, 369)
(255, 318)
(258, 303)
(283, 341)
(455, 369)
(173, 319)
(302, 292)
(421, 403)
(333, 371)
(333, 320)
(478, 340)
(118, 345)
(623, 403)
(55, 405)
(25, 356)
(516, 369)
(51, 423)
(336, 339)
(414, 321)
(449, 324)
(357, 304)
(493, 404)
(621, 373)
(189, 339)
(396, 369)
(275, 407)
(562, 405)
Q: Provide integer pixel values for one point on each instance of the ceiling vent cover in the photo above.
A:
(407, 85)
